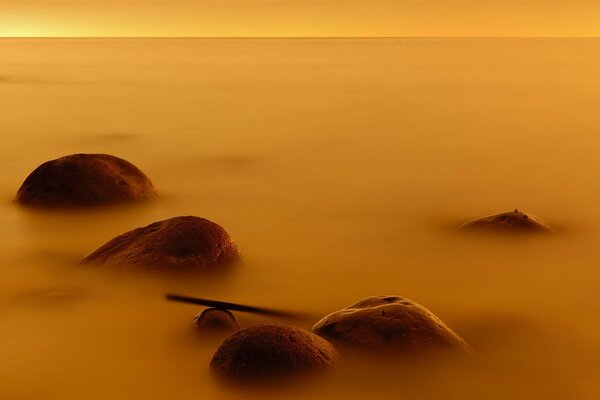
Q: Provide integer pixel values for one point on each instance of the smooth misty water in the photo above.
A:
(340, 168)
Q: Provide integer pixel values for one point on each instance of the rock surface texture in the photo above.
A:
(214, 320)
(179, 244)
(266, 352)
(508, 222)
(85, 180)
(388, 323)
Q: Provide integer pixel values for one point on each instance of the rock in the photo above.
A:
(177, 244)
(52, 297)
(85, 180)
(388, 323)
(215, 320)
(266, 352)
(508, 222)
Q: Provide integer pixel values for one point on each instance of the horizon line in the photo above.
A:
(302, 37)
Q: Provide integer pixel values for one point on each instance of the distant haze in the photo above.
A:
(302, 18)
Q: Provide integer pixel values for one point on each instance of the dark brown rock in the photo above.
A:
(508, 222)
(214, 320)
(177, 244)
(85, 180)
(265, 352)
(388, 323)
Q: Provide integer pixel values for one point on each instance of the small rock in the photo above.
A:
(508, 222)
(265, 352)
(85, 180)
(52, 297)
(177, 244)
(215, 320)
(386, 323)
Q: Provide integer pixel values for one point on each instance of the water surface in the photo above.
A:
(340, 168)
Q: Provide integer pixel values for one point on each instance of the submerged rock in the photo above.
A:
(388, 323)
(509, 222)
(52, 297)
(215, 320)
(85, 180)
(264, 352)
(177, 244)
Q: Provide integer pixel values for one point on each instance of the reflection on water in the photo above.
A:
(340, 168)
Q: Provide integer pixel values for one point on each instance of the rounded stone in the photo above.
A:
(85, 180)
(214, 320)
(508, 222)
(266, 352)
(179, 244)
(388, 323)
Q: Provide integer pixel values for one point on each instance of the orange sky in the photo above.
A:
(299, 17)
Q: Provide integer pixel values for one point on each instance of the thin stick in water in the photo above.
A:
(235, 307)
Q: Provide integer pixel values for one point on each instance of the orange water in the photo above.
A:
(340, 168)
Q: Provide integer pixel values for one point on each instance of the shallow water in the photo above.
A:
(339, 167)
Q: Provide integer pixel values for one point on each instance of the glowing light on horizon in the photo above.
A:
(27, 18)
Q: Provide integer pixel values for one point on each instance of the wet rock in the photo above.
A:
(177, 244)
(266, 352)
(508, 222)
(388, 323)
(85, 180)
(215, 320)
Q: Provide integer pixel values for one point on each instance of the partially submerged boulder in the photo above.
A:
(388, 323)
(266, 352)
(177, 244)
(215, 320)
(85, 180)
(508, 222)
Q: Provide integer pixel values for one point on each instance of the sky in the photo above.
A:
(299, 18)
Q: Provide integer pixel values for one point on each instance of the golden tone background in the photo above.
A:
(339, 166)
(313, 18)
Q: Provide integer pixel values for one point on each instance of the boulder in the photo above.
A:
(85, 180)
(215, 320)
(179, 244)
(508, 222)
(267, 352)
(388, 323)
